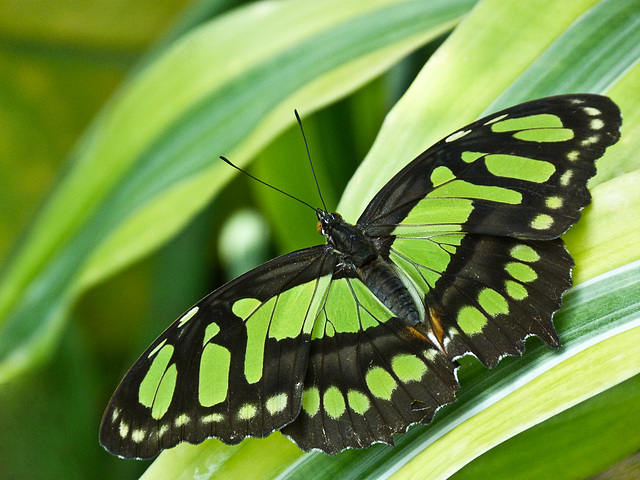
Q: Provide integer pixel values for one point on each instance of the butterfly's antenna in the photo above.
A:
(310, 162)
(226, 160)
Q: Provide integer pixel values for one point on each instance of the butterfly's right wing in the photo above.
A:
(232, 366)
(475, 220)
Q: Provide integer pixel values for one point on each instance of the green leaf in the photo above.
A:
(467, 75)
(226, 88)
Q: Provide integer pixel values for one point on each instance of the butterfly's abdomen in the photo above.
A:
(362, 258)
(385, 284)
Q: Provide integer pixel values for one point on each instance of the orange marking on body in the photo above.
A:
(415, 333)
(436, 326)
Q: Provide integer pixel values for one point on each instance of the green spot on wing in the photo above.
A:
(358, 402)
(543, 135)
(165, 392)
(342, 314)
(287, 315)
(441, 175)
(311, 401)
(181, 420)
(516, 290)
(157, 386)
(435, 215)
(257, 325)
(493, 302)
(212, 418)
(245, 307)
(521, 272)
(296, 308)
(470, 157)
(138, 435)
(380, 382)
(542, 127)
(463, 190)
(542, 120)
(522, 168)
(471, 320)
(408, 368)
(524, 253)
(432, 257)
(333, 402)
(213, 382)
(210, 332)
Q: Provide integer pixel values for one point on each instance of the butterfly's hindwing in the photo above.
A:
(370, 375)
(483, 294)
(231, 367)
(497, 292)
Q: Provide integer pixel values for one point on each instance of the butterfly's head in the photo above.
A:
(327, 221)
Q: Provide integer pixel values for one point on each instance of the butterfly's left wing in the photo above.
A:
(370, 375)
(475, 220)
(232, 366)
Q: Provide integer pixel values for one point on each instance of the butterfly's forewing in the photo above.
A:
(521, 172)
(233, 366)
(370, 375)
(466, 217)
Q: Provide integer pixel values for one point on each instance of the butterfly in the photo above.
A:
(345, 344)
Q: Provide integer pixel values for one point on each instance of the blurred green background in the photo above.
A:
(82, 82)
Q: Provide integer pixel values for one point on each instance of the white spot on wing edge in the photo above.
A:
(138, 435)
(212, 418)
(457, 135)
(566, 178)
(590, 140)
(430, 354)
(115, 414)
(497, 119)
(247, 412)
(277, 403)
(592, 111)
(181, 420)
(123, 430)
(188, 316)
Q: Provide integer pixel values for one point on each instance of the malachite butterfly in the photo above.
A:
(345, 344)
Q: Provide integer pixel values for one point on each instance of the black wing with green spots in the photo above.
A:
(370, 375)
(232, 366)
(478, 220)
(343, 345)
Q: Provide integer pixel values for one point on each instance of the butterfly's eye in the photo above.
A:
(319, 227)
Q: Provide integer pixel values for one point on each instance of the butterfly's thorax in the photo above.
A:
(361, 258)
